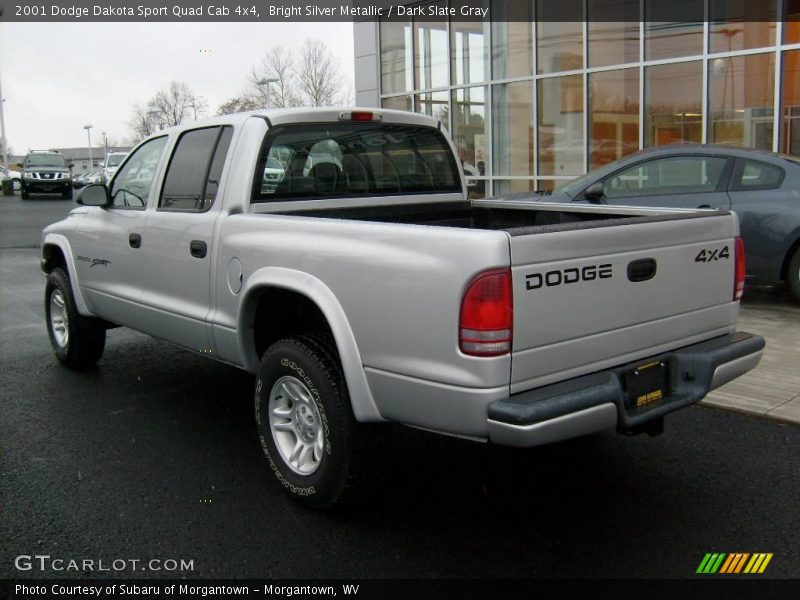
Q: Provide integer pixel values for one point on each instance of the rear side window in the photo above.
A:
(756, 175)
(354, 160)
(194, 170)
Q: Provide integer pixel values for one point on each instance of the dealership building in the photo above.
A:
(544, 90)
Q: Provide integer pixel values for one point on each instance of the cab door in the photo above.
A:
(177, 255)
(109, 241)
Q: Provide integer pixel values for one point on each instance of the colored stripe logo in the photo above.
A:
(734, 563)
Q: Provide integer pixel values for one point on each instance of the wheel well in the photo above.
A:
(788, 258)
(52, 258)
(280, 313)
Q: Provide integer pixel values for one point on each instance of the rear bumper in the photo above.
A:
(597, 402)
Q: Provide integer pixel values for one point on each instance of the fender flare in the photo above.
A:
(363, 404)
(62, 243)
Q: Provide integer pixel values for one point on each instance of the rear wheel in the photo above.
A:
(793, 274)
(78, 341)
(16, 184)
(304, 420)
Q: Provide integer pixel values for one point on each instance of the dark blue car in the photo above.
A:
(763, 188)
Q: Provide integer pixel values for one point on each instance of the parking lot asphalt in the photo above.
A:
(153, 454)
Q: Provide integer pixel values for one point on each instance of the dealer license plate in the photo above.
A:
(646, 384)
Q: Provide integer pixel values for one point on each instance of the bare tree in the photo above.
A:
(278, 64)
(238, 104)
(142, 123)
(171, 106)
(318, 74)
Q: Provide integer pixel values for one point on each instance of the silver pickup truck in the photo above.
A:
(335, 255)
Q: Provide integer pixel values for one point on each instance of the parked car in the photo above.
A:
(14, 176)
(763, 188)
(95, 176)
(79, 180)
(111, 164)
(45, 172)
(383, 293)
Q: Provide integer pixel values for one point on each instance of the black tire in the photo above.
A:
(312, 361)
(67, 195)
(16, 185)
(793, 274)
(86, 337)
(23, 193)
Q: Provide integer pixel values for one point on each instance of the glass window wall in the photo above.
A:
(470, 129)
(673, 103)
(741, 100)
(741, 24)
(430, 53)
(790, 103)
(512, 40)
(666, 38)
(561, 141)
(559, 35)
(396, 57)
(469, 49)
(614, 40)
(513, 123)
(613, 116)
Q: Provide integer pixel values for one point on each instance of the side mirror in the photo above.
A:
(595, 191)
(94, 195)
(20, 166)
(71, 165)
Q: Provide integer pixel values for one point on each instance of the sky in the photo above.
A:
(58, 77)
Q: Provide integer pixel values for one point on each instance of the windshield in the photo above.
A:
(115, 160)
(45, 160)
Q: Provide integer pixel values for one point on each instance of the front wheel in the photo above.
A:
(793, 274)
(304, 420)
(67, 194)
(77, 341)
(16, 184)
(24, 193)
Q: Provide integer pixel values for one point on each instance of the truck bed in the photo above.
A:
(514, 217)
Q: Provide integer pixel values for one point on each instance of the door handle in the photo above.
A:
(135, 240)
(704, 206)
(198, 248)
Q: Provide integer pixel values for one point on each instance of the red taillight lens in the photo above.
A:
(738, 281)
(487, 315)
(357, 115)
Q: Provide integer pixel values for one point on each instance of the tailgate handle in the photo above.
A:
(642, 270)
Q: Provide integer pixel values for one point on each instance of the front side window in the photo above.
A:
(673, 175)
(193, 174)
(131, 186)
(354, 160)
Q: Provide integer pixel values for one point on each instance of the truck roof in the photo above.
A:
(283, 116)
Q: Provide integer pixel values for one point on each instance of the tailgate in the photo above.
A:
(586, 299)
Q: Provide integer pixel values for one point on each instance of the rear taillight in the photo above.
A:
(738, 280)
(487, 315)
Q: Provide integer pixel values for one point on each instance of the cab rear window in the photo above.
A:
(306, 162)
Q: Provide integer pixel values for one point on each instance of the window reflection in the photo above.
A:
(430, 53)
(503, 187)
(512, 114)
(741, 24)
(613, 40)
(397, 103)
(673, 105)
(614, 116)
(741, 93)
(561, 142)
(512, 44)
(790, 101)
(559, 35)
(666, 38)
(469, 129)
(791, 21)
(469, 51)
(396, 56)
(434, 104)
